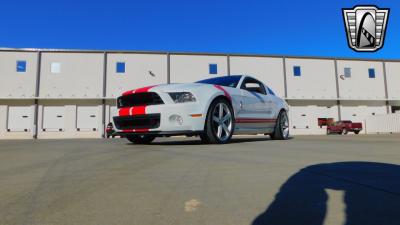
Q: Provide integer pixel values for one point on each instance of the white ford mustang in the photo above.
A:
(213, 109)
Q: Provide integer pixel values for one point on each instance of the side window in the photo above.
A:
(270, 91)
(253, 85)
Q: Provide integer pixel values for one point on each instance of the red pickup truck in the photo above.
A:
(344, 127)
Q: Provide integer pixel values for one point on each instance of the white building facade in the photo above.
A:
(71, 94)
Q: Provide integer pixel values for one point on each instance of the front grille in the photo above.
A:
(139, 99)
(149, 121)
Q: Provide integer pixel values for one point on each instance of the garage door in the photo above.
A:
(19, 118)
(53, 118)
(87, 118)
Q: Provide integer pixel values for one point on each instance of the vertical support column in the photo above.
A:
(168, 68)
(386, 88)
(103, 101)
(284, 76)
(37, 92)
(228, 64)
(337, 90)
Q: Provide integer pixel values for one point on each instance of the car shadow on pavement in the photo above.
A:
(371, 195)
(234, 140)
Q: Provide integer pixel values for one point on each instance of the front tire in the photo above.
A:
(344, 132)
(141, 139)
(219, 125)
(281, 131)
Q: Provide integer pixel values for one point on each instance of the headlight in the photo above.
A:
(181, 97)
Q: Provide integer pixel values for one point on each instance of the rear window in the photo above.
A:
(227, 81)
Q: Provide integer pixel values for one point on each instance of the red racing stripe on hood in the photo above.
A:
(136, 110)
(124, 112)
(139, 90)
(225, 92)
(133, 111)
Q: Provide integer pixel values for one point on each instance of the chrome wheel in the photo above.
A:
(222, 121)
(284, 124)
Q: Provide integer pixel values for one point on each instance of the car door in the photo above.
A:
(256, 107)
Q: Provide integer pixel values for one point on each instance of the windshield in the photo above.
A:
(227, 81)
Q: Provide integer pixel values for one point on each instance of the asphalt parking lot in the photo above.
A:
(254, 180)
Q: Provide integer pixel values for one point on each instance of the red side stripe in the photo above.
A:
(143, 130)
(225, 92)
(254, 120)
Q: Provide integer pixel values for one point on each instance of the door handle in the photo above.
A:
(59, 116)
(92, 116)
(24, 116)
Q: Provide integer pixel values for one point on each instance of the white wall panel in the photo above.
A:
(359, 85)
(317, 79)
(268, 70)
(80, 75)
(389, 123)
(191, 68)
(15, 84)
(393, 80)
(359, 111)
(304, 116)
(140, 70)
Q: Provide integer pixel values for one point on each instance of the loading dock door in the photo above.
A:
(87, 118)
(53, 118)
(299, 116)
(19, 118)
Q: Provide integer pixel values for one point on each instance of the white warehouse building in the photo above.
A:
(71, 94)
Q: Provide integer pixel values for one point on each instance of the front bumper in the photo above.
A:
(161, 133)
(176, 119)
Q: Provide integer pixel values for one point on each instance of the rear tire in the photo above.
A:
(281, 131)
(344, 131)
(328, 132)
(357, 132)
(141, 139)
(219, 124)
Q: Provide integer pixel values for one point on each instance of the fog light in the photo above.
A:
(176, 119)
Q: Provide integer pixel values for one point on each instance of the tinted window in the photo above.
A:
(253, 85)
(227, 81)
